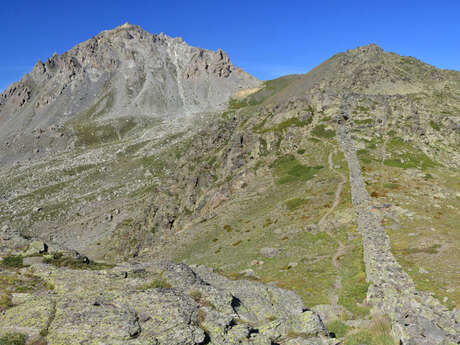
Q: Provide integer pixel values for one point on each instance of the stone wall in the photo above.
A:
(417, 318)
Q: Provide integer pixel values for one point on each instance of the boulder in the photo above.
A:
(36, 247)
(269, 252)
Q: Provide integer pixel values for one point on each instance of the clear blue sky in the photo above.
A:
(266, 38)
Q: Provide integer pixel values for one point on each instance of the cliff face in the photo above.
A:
(118, 73)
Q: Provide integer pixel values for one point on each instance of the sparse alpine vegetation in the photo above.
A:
(250, 187)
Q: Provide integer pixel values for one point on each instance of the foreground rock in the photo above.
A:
(159, 303)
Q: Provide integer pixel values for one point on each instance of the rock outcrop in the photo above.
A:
(159, 303)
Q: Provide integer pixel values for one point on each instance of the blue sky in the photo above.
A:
(266, 38)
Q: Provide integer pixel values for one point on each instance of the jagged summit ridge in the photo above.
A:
(371, 48)
(117, 73)
(127, 48)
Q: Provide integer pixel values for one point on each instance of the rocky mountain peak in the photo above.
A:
(127, 26)
(121, 72)
(370, 49)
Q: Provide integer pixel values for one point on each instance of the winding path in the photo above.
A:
(417, 318)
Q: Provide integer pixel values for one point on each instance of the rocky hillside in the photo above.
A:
(340, 185)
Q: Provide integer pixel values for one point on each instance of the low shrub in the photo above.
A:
(362, 337)
(290, 170)
(15, 261)
(322, 132)
(13, 339)
(295, 203)
(59, 260)
(337, 327)
(435, 125)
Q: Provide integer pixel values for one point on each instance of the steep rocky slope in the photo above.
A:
(125, 74)
(341, 184)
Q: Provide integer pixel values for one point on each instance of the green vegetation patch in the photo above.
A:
(337, 327)
(13, 339)
(379, 333)
(362, 337)
(410, 161)
(391, 185)
(364, 122)
(362, 109)
(289, 169)
(78, 169)
(13, 282)
(59, 260)
(15, 261)
(392, 133)
(132, 149)
(92, 133)
(364, 156)
(293, 121)
(271, 87)
(428, 250)
(234, 104)
(371, 146)
(435, 125)
(295, 203)
(263, 146)
(354, 285)
(322, 132)
(407, 156)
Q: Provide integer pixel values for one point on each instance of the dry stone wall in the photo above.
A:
(417, 318)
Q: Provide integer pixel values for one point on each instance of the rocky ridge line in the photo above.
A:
(417, 318)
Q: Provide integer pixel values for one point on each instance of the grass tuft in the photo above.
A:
(337, 327)
(59, 260)
(322, 132)
(295, 203)
(435, 125)
(378, 334)
(290, 170)
(13, 339)
(354, 285)
(13, 261)
(362, 337)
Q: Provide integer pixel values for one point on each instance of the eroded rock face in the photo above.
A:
(159, 303)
